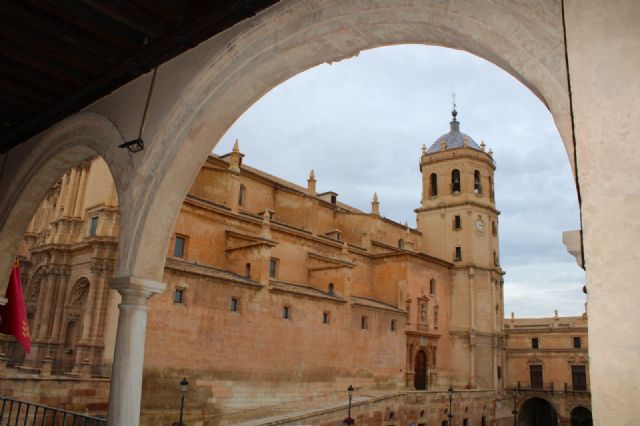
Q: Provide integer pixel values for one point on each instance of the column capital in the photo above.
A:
(132, 288)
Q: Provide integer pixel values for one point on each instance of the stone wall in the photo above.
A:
(87, 396)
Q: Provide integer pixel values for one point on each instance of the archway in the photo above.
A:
(304, 34)
(537, 412)
(72, 141)
(581, 416)
(420, 381)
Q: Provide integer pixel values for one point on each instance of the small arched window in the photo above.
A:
(247, 270)
(433, 185)
(331, 292)
(432, 286)
(455, 180)
(400, 243)
(242, 196)
(477, 184)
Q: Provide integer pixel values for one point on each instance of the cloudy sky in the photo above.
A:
(360, 124)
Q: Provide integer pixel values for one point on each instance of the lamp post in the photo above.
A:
(515, 408)
(349, 420)
(184, 385)
(450, 416)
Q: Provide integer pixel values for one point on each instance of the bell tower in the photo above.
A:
(459, 223)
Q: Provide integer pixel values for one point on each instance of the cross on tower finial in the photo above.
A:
(454, 113)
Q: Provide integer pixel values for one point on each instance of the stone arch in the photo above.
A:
(537, 410)
(78, 138)
(581, 416)
(78, 294)
(291, 37)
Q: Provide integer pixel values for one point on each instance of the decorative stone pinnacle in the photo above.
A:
(424, 149)
(482, 145)
(375, 205)
(266, 217)
(490, 153)
(312, 175)
(345, 247)
(443, 145)
(236, 146)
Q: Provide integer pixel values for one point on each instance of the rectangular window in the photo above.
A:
(577, 343)
(363, 323)
(535, 344)
(325, 317)
(273, 268)
(465, 422)
(579, 377)
(286, 313)
(499, 373)
(93, 228)
(483, 421)
(535, 375)
(178, 296)
(457, 222)
(178, 246)
(458, 255)
(393, 325)
(233, 305)
(494, 228)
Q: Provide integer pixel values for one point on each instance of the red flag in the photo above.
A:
(14, 313)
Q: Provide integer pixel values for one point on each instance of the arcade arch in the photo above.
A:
(204, 90)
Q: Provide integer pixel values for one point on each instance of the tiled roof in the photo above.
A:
(371, 303)
(302, 290)
(454, 139)
(208, 271)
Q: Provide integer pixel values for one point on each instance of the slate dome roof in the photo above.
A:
(454, 138)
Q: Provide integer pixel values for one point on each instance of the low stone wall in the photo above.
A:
(213, 401)
(406, 408)
(253, 404)
(86, 396)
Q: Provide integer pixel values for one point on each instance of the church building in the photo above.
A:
(278, 295)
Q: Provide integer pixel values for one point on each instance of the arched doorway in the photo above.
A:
(420, 371)
(537, 412)
(581, 416)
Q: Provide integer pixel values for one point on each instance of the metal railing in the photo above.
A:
(548, 386)
(14, 412)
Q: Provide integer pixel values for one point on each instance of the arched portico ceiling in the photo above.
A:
(72, 141)
(525, 39)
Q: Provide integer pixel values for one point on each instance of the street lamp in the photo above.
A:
(515, 408)
(349, 420)
(184, 385)
(450, 416)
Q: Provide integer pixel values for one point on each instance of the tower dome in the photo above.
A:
(454, 139)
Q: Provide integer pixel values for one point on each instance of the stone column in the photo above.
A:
(69, 200)
(126, 379)
(79, 206)
(61, 296)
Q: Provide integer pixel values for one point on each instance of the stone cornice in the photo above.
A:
(459, 204)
